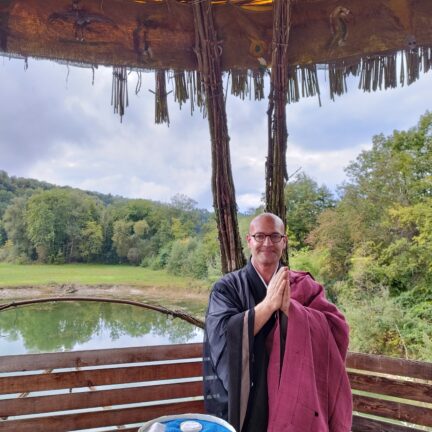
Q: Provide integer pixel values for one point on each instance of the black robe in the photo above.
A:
(235, 362)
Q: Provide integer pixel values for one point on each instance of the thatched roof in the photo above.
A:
(362, 37)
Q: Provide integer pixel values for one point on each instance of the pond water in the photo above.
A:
(73, 326)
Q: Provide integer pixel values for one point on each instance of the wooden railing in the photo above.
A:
(397, 389)
(114, 387)
(120, 388)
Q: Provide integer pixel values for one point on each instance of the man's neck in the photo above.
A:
(266, 271)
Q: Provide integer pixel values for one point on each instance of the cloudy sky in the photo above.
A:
(58, 127)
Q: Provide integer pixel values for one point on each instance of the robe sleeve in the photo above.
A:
(312, 296)
(228, 345)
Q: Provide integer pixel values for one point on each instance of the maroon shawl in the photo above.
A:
(309, 391)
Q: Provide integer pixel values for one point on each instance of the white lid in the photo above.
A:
(190, 426)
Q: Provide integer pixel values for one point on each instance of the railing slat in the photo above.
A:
(99, 398)
(362, 424)
(393, 410)
(390, 365)
(87, 420)
(391, 387)
(31, 362)
(98, 377)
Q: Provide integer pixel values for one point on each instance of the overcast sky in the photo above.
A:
(58, 127)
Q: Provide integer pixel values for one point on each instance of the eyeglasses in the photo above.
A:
(274, 237)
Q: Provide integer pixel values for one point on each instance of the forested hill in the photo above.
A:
(11, 187)
(49, 224)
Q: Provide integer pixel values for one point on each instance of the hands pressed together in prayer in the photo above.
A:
(279, 291)
(278, 298)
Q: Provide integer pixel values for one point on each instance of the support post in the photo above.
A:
(208, 50)
(276, 170)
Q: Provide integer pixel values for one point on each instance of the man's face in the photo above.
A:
(266, 253)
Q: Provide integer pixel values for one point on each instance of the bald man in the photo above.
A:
(271, 343)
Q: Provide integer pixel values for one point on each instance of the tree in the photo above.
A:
(15, 229)
(92, 241)
(305, 200)
(122, 237)
(57, 221)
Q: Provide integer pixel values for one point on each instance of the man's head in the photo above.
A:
(266, 251)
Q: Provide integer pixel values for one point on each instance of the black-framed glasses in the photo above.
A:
(274, 237)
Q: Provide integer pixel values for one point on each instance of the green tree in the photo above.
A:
(15, 230)
(92, 241)
(57, 221)
(122, 237)
(305, 201)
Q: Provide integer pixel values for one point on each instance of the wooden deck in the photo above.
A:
(120, 388)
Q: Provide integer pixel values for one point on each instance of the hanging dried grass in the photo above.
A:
(413, 65)
(161, 100)
(181, 94)
(258, 81)
(293, 91)
(119, 91)
(427, 58)
(239, 83)
(196, 94)
(337, 81)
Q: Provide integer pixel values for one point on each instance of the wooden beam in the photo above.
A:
(111, 356)
(392, 387)
(390, 365)
(393, 410)
(98, 398)
(276, 170)
(208, 49)
(100, 418)
(362, 424)
(98, 377)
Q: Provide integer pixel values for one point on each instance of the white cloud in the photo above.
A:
(67, 134)
(249, 200)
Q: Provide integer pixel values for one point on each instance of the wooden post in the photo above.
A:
(208, 50)
(276, 171)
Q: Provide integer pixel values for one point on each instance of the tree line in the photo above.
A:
(371, 245)
(47, 224)
(373, 249)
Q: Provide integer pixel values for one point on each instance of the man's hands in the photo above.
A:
(278, 297)
(278, 291)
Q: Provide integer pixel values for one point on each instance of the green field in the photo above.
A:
(15, 275)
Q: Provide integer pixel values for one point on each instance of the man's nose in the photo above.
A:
(267, 241)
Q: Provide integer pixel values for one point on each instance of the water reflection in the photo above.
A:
(88, 325)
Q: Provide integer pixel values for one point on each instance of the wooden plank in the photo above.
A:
(391, 387)
(116, 429)
(394, 410)
(98, 377)
(99, 398)
(390, 365)
(116, 417)
(31, 362)
(362, 424)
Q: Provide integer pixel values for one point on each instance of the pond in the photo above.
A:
(73, 326)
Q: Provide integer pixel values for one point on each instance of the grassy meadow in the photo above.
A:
(20, 275)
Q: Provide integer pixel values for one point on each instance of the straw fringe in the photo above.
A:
(119, 91)
(373, 72)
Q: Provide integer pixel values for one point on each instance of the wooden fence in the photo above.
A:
(120, 388)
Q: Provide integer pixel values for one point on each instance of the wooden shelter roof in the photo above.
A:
(160, 34)
(358, 37)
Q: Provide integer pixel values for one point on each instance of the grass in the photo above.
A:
(15, 275)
